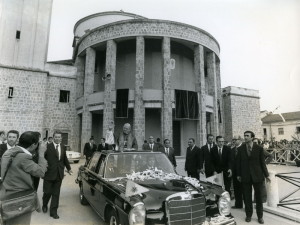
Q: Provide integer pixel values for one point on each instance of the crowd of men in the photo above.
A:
(32, 159)
(242, 164)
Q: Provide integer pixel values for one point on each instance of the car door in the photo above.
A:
(90, 178)
(98, 200)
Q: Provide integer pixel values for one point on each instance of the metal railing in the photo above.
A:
(287, 201)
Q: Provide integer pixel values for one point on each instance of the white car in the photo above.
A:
(73, 156)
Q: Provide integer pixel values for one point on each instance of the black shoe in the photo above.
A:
(261, 220)
(44, 208)
(248, 219)
(55, 216)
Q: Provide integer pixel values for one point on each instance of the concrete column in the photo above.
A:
(272, 190)
(139, 109)
(167, 119)
(79, 64)
(213, 90)
(110, 84)
(220, 99)
(200, 88)
(88, 90)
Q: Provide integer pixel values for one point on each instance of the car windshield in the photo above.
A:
(122, 164)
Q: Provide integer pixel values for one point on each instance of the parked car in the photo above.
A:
(72, 156)
(143, 188)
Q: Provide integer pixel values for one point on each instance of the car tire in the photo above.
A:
(76, 161)
(113, 218)
(83, 200)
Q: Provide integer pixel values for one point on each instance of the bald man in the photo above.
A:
(126, 139)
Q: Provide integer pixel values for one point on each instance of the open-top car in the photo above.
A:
(143, 188)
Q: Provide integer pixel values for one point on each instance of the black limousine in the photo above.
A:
(142, 188)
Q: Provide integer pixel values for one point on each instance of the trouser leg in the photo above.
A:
(237, 187)
(47, 189)
(258, 198)
(227, 183)
(55, 197)
(247, 194)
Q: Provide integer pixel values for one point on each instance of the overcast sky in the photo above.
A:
(259, 39)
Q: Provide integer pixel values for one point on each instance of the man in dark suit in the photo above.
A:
(251, 171)
(89, 149)
(151, 146)
(193, 159)
(221, 159)
(206, 165)
(237, 186)
(12, 138)
(57, 161)
(169, 151)
(102, 145)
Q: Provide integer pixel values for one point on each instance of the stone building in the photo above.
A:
(281, 126)
(163, 77)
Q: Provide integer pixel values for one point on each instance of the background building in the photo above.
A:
(165, 74)
(278, 127)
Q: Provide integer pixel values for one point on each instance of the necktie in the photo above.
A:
(167, 151)
(249, 150)
(151, 146)
(236, 151)
(220, 153)
(57, 151)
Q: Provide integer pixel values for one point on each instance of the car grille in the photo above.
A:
(186, 211)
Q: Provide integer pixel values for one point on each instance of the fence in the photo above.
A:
(285, 154)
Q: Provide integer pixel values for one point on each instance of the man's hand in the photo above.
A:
(70, 172)
(215, 173)
(42, 148)
(230, 173)
(202, 171)
(268, 180)
(239, 178)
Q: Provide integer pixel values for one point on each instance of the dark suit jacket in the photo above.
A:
(56, 167)
(171, 155)
(155, 147)
(193, 160)
(206, 156)
(88, 151)
(100, 147)
(3, 148)
(252, 166)
(224, 163)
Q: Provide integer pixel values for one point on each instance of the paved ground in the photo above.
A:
(72, 212)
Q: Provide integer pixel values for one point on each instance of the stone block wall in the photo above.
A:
(241, 111)
(25, 110)
(58, 115)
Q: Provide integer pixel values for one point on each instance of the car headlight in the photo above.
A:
(137, 214)
(224, 204)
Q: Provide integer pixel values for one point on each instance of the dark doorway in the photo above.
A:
(176, 137)
(64, 138)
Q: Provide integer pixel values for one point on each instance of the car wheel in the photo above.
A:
(113, 218)
(76, 161)
(83, 200)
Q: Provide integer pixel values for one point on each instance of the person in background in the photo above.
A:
(12, 140)
(237, 186)
(207, 166)
(151, 146)
(89, 149)
(102, 145)
(57, 161)
(18, 177)
(221, 160)
(2, 137)
(193, 159)
(251, 171)
(110, 138)
(169, 151)
(159, 143)
(50, 140)
(35, 158)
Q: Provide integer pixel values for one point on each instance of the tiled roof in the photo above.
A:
(273, 118)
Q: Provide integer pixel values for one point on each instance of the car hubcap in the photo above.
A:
(113, 221)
